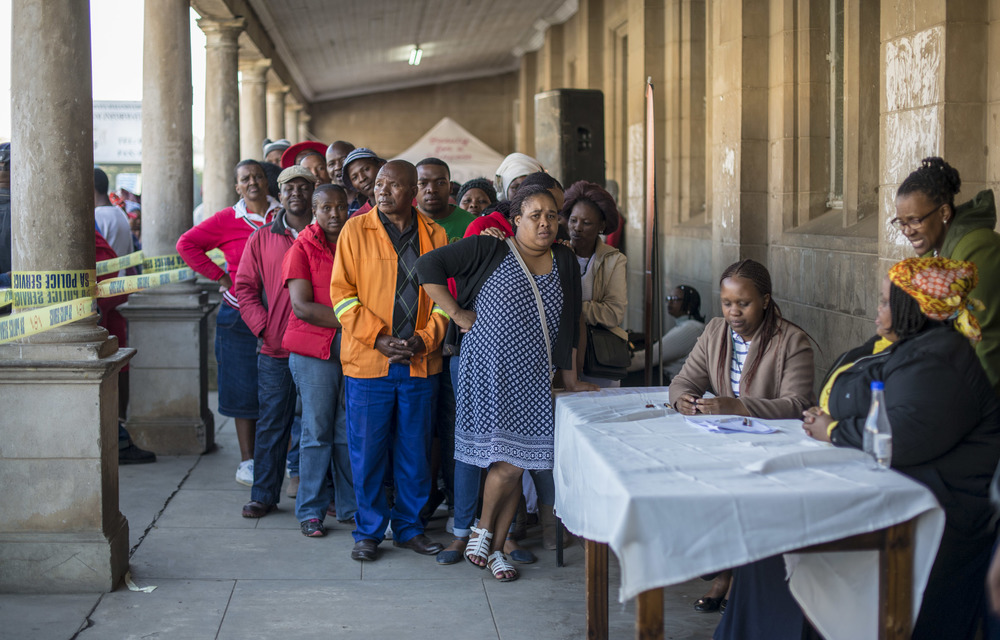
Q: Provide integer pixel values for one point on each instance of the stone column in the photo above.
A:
(253, 111)
(276, 111)
(168, 411)
(222, 112)
(292, 111)
(304, 120)
(60, 526)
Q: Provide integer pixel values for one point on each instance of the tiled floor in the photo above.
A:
(220, 576)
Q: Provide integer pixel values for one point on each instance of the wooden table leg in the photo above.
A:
(596, 569)
(649, 615)
(896, 583)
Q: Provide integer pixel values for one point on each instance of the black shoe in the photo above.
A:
(364, 549)
(707, 604)
(421, 544)
(134, 455)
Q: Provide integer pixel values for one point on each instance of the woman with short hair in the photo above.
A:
(591, 212)
(927, 216)
(519, 304)
(235, 344)
(671, 351)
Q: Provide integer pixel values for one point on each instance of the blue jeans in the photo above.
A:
(394, 411)
(277, 394)
(466, 478)
(323, 447)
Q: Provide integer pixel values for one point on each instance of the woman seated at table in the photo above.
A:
(755, 362)
(518, 327)
(945, 422)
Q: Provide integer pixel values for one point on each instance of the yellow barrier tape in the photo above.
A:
(117, 264)
(40, 288)
(152, 265)
(131, 284)
(6, 297)
(156, 264)
(28, 323)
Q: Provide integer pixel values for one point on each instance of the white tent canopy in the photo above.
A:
(467, 156)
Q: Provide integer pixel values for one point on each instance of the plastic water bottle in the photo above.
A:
(878, 432)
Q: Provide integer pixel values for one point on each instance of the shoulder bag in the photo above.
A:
(538, 302)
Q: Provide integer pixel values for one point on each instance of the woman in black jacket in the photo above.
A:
(519, 303)
(945, 422)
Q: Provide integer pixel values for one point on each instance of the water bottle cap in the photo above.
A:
(878, 386)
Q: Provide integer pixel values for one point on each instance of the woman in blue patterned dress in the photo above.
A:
(504, 420)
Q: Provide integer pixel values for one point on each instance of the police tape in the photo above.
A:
(117, 264)
(42, 288)
(153, 264)
(29, 323)
(34, 296)
(131, 284)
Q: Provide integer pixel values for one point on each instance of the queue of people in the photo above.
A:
(423, 333)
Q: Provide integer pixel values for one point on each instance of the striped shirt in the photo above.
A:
(740, 349)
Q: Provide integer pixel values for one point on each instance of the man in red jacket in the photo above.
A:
(264, 306)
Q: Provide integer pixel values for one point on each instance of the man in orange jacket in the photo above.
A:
(390, 350)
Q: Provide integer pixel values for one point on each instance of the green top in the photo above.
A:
(455, 223)
(971, 237)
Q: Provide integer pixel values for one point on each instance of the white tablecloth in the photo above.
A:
(674, 501)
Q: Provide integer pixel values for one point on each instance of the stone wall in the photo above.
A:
(744, 98)
(390, 122)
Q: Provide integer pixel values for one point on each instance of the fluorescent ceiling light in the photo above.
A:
(415, 54)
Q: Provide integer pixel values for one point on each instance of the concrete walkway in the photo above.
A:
(220, 576)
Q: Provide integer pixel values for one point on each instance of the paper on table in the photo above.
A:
(729, 424)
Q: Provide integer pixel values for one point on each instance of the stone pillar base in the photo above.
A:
(168, 379)
(60, 526)
(67, 562)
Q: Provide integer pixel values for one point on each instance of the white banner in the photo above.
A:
(117, 132)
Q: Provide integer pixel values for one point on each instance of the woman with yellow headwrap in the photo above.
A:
(945, 422)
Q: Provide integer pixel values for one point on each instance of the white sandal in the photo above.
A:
(499, 566)
(478, 547)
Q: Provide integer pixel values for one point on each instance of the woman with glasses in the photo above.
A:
(684, 305)
(927, 216)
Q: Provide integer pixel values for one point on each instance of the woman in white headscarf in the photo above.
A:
(511, 172)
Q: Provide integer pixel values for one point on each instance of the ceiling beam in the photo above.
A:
(257, 34)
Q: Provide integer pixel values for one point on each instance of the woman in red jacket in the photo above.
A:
(313, 338)
(235, 345)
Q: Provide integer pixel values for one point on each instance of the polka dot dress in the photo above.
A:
(504, 400)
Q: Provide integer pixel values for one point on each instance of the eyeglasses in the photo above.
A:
(912, 223)
(673, 298)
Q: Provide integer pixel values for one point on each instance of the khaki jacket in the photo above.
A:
(781, 387)
(607, 307)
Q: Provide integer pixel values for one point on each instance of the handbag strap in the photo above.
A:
(538, 299)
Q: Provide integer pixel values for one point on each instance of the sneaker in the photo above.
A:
(313, 528)
(244, 473)
(134, 455)
(293, 487)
